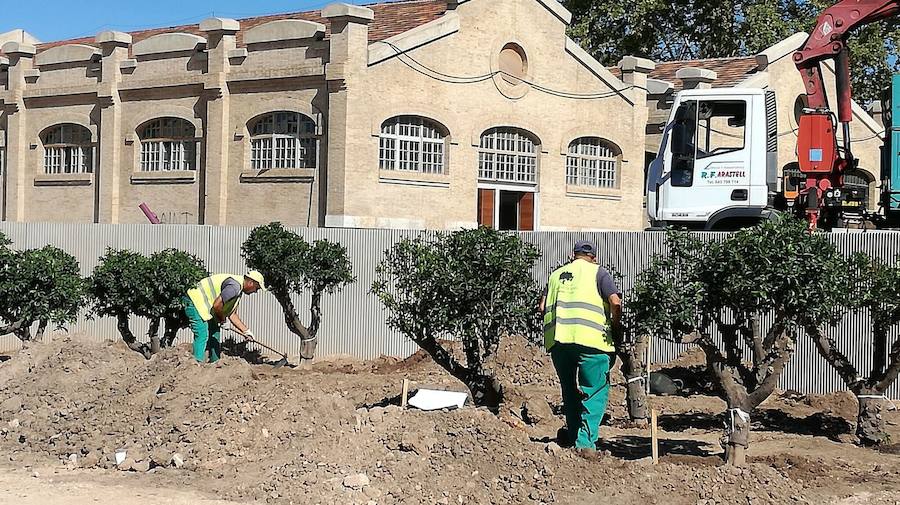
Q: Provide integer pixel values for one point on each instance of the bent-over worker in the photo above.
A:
(211, 302)
(582, 307)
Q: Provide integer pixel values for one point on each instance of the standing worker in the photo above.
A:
(582, 307)
(211, 302)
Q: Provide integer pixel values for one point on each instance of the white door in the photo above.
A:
(708, 159)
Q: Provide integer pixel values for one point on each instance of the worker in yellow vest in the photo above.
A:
(211, 302)
(582, 308)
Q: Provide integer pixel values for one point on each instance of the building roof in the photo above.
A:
(391, 18)
(729, 71)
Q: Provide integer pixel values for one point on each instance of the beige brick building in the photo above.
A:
(414, 114)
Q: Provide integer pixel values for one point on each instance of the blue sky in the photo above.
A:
(64, 19)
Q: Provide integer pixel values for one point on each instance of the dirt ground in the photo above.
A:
(333, 433)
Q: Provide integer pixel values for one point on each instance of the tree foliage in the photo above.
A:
(38, 286)
(688, 29)
(698, 289)
(471, 285)
(127, 283)
(291, 266)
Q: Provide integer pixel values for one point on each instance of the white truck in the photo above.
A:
(717, 167)
(717, 163)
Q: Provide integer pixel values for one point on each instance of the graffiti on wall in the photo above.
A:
(174, 217)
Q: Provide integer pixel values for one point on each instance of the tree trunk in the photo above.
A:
(153, 335)
(634, 370)
(486, 391)
(737, 430)
(308, 347)
(24, 333)
(170, 331)
(41, 329)
(125, 330)
(870, 425)
(880, 349)
(12, 328)
(308, 340)
(737, 436)
(309, 343)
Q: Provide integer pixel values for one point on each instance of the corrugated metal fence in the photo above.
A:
(354, 321)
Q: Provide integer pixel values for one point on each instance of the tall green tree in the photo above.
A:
(687, 29)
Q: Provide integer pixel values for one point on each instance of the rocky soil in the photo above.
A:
(333, 432)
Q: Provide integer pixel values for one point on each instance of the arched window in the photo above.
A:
(856, 179)
(593, 162)
(507, 154)
(67, 150)
(412, 143)
(283, 140)
(856, 183)
(168, 143)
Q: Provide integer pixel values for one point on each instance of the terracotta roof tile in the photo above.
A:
(391, 18)
(730, 71)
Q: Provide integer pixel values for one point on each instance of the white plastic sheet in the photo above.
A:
(430, 399)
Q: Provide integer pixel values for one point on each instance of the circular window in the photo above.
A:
(513, 63)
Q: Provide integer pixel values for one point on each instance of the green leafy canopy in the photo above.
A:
(475, 285)
(688, 29)
(39, 285)
(291, 264)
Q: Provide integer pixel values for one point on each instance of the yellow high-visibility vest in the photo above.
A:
(207, 290)
(574, 311)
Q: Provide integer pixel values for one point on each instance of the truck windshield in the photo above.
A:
(702, 129)
(720, 127)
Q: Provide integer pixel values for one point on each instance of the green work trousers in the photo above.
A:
(206, 333)
(584, 380)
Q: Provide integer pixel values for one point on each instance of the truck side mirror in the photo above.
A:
(684, 129)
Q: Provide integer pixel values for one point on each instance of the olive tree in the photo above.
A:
(292, 266)
(38, 286)
(715, 294)
(127, 283)
(470, 285)
(874, 287)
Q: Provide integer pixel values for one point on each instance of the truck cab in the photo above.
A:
(716, 168)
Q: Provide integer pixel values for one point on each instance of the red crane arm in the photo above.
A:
(818, 155)
(828, 41)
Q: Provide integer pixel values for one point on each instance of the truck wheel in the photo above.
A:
(735, 224)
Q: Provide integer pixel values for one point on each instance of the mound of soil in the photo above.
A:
(330, 433)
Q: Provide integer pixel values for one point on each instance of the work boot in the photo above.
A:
(563, 439)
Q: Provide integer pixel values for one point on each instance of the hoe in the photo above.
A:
(278, 364)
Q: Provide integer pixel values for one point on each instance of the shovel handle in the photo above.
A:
(264, 346)
(269, 348)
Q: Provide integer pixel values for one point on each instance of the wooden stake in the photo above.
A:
(649, 361)
(654, 436)
(405, 393)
